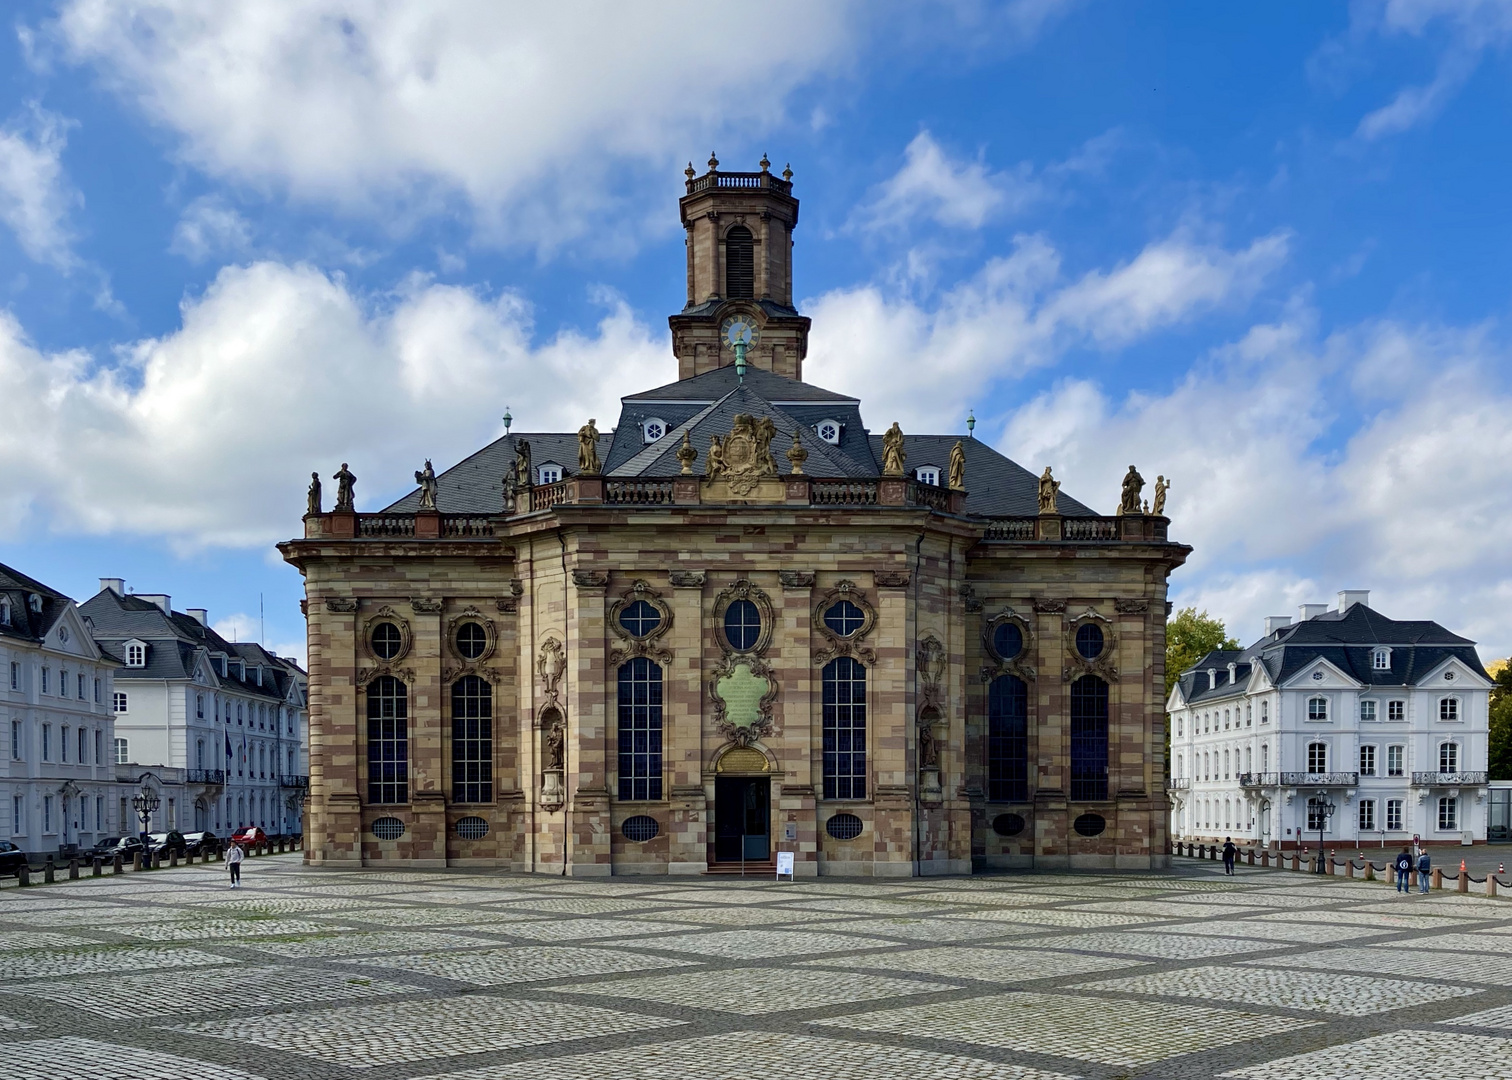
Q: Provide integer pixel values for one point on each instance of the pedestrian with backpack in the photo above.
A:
(1424, 868)
(1230, 853)
(1403, 865)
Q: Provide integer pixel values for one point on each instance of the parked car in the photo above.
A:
(165, 843)
(12, 858)
(202, 843)
(111, 846)
(251, 834)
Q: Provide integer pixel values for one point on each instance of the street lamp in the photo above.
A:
(1324, 809)
(146, 805)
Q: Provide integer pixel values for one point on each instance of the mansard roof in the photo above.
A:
(1347, 640)
(25, 623)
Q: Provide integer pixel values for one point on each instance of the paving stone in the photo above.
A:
(1319, 991)
(1161, 944)
(496, 967)
(763, 944)
(1004, 965)
(59, 1059)
(12, 940)
(754, 991)
(1408, 960)
(56, 963)
(587, 929)
(380, 942)
(1052, 917)
(1424, 1055)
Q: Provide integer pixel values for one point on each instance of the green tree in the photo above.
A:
(1501, 722)
(1190, 635)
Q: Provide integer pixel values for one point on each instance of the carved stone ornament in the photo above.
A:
(744, 590)
(930, 657)
(645, 644)
(341, 603)
(743, 690)
(452, 672)
(471, 614)
(1050, 607)
(796, 579)
(744, 456)
(386, 614)
(969, 598)
(590, 579)
(1131, 607)
(551, 663)
(891, 579)
(368, 674)
(507, 605)
(423, 605)
(850, 644)
(1102, 665)
(1017, 664)
(688, 579)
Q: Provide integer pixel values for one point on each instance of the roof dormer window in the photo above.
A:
(829, 431)
(34, 601)
(136, 654)
(5, 611)
(928, 474)
(1380, 659)
(653, 429)
(549, 473)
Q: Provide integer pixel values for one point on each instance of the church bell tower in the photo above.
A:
(739, 229)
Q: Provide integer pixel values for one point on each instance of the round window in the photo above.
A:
(472, 640)
(388, 828)
(742, 624)
(640, 828)
(472, 828)
(1007, 640)
(843, 826)
(1089, 640)
(1008, 824)
(1090, 824)
(640, 618)
(387, 641)
(844, 618)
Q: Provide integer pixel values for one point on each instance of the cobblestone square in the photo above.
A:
(309, 974)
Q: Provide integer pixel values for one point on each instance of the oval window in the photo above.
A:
(843, 826)
(472, 828)
(388, 828)
(1007, 640)
(472, 640)
(844, 618)
(1089, 641)
(1090, 824)
(640, 828)
(1008, 824)
(640, 618)
(387, 641)
(742, 625)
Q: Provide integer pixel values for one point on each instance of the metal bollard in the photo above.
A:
(73, 869)
(1252, 856)
(99, 866)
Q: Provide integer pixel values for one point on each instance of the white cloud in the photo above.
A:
(209, 226)
(1278, 509)
(957, 194)
(205, 436)
(1016, 314)
(36, 197)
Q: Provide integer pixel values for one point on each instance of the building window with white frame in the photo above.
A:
(1265, 712)
(1449, 757)
(1317, 815)
(46, 680)
(1380, 660)
(98, 691)
(1395, 764)
(1264, 756)
(928, 474)
(1367, 815)
(828, 431)
(653, 429)
(1317, 757)
(199, 706)
(15, 680)
(1393, 815)
(549, 473)
(118, 702)
(63, 746)
(1367, 711)
(1448, 813)
(136, 655)
(15, 740)
(82, 687)
(18, 816)
(1449, 709)
(1396, 710)
(1317, 708)
(1249, 716)
(122, 754)
(46, 742)
(1367, 761)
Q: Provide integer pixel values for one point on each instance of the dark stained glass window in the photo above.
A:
(472, 740)
(388, 740)
(1089, 739)
(640, 730)
(742, 624)
(1007, 740)
(844, 729)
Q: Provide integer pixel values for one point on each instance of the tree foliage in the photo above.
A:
(1191, 634)
(1501, 721)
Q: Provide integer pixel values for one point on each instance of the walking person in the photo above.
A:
(1403, 865)
(1230, 853)
(1424, 869)
(234, 856)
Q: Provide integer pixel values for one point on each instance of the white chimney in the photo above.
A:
(1212, 678)
(199, 615)
(1276, 622)
(1310, 611)
(162, 600)
(1348, 598)
(1233, 667)
(116, 585)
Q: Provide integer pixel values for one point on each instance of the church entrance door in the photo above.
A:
(742, 818)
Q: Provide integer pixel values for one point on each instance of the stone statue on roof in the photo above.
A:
(715, 465)
(958, 467)
(426, 478)
(1162, 485)
(524, 472)
(893, 455)
(765, 431)
(588, 460)
(1133, 484)
(1049, 488)
(346, 482)
(313, 503)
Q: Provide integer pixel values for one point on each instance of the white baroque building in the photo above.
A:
(57, 781)
(1384, 721)
(215, 728)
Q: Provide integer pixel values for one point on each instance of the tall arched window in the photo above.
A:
(844, 729)
(740, 264)
(640, 730)
(1007, 740)
(388, 741)
(1089, 739)
(472, 740)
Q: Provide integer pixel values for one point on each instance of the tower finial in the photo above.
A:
(713, 161)
(764, 163)
(787, 172)
(970, 424)
(507, 419)
(688, 172)
(740, 361)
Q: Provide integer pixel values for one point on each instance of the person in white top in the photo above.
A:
(234, 858)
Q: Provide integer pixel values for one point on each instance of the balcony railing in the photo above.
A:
(457, 525)
(639, 492)
(545, 496)
(1448, 779)
(1010, 529)
(930, 495)
(1179, 783)
(205, 776)
(1259, 779)
(290, 781)
(380, 525)
(843, 493)
(750, 181)
(1313, 779)
(1090, 528)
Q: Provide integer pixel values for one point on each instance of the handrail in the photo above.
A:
(1089, 528)
(638, 492)
(1310, 779)
(843, 493)
(930, 495)
(1010, 529)
(545, 496)
(463, 525)
(378, 525)
(1448, 779)
(757, 181)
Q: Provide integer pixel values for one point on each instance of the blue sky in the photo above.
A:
(1266, 258)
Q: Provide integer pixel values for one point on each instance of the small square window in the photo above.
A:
(1393, 815)
(1449, 708)
(1367, 710)
(1396, 710)
(1380, 660)
(1448, 814)
(118, 702)
(1317, 708)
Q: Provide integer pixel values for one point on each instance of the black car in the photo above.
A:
(12, 858)
(166, 843)
(202, 843)
(111, 846)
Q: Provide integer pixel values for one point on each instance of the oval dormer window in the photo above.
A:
(829, 431)
(653, 429)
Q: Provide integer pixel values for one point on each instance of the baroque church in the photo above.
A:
(737, 624)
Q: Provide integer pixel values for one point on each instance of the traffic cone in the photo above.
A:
(1501, 868)
(1462, 866)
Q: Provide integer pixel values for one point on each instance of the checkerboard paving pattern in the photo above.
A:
(314, 974)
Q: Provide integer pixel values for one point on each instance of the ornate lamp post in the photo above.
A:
(1324, 809)
(145, 805)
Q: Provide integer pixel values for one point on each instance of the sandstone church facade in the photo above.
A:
(737, 624)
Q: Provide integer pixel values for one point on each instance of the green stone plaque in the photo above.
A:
(742, 691)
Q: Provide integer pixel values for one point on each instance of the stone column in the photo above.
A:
(890, 720)
(682, 727)
(1049, 737)
(587, 725)
(338, 730)
(428, 712)
(801, 751)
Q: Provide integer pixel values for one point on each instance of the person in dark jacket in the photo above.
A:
(1424, 869)
(1230, 853)
(1403, 866)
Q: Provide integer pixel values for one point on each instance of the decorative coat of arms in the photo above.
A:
(745, 454)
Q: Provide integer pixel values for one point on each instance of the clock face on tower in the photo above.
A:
(738, 328)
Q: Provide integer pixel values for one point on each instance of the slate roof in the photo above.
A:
(1347, 640)
(26, 624)
(706, 405)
